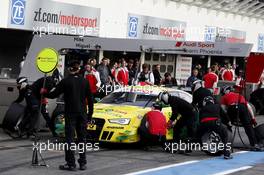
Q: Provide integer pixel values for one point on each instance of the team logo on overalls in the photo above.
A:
(133, 22)
(18, 12)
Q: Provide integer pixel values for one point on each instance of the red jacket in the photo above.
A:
(123, 76)
(92, 82)
(232, 98)
(209, 79)
(156, 122)
(227, 75)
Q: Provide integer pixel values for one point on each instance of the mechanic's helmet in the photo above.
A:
(226, 90)
(157, 105)
(164, 97)
(208, 100)
(22, 82)
(197, 84)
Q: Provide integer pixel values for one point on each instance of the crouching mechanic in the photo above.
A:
(76, 91)
(185, 109)
(153, 126)
(210, 121)
(238, 109)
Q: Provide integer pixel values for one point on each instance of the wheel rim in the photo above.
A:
(60, 125)
(212, 139)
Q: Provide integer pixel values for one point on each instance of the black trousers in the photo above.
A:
(187, 120)
(241, 112)
(217, 127)
(46, 116)
(30, 120)
(75, 122)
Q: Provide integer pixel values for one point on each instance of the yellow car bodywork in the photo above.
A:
(127, 133)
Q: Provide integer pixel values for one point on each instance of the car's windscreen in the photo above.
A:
(128, 98)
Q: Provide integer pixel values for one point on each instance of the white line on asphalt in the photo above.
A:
(241, 152)
(163, 167)
(233, 170)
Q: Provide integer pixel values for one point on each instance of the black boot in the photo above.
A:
(83, 167)
(227, 155)
(257, 148)
(67, 167)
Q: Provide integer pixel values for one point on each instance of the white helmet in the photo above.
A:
(197, 84)
(164, 97)
(21, 80)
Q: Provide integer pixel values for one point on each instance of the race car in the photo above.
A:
(117, 116)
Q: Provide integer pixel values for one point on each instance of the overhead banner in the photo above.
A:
(217, 48)
(261, 42)
(218, 34)
(44, 16)
(146, 27)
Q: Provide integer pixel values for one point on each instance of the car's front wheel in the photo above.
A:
(58, 121)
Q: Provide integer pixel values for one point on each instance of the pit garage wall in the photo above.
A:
(114, 17)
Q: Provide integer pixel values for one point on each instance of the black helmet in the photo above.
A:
(208, 100)
(21, 80)
(157, 105)
(226, 90)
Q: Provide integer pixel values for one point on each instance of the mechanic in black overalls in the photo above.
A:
(185, 109)
(76, 92)
(36, 87)
(210, 121)
(199, 93)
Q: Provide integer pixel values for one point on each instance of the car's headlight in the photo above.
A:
(121, 121)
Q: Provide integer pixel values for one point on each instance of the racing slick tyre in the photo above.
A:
(58, 121)
(257, 99)
(13, 117)
(212, 139)
(253, 108)
(259, 130)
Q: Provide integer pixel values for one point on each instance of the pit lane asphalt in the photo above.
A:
(15, 158)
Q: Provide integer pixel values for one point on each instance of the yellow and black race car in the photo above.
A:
(117, 116)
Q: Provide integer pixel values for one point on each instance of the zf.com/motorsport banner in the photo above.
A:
(53, 17)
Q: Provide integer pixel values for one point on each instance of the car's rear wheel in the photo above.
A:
(210, 141)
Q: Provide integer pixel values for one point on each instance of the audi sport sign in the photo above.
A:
(44, 17)
(216, 48)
